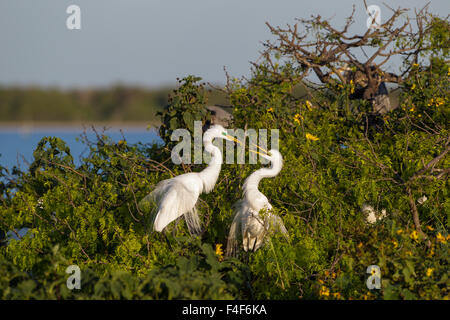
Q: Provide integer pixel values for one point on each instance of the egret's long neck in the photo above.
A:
(252, 182)
(210, 174)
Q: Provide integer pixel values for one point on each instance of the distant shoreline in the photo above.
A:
(28, 126)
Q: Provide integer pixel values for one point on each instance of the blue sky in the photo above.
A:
(150, 42)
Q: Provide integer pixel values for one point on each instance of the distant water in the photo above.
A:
(17, 146)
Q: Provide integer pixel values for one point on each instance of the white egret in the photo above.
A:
(372, 215)
(253, 213)
(178, 196)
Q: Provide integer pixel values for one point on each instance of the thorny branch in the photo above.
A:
(329, 52)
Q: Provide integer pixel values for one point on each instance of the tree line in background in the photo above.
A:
(116, 104)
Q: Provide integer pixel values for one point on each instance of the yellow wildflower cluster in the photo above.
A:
(441, 238)
(336, 295)
(311, 137)
(219, 252)
(431, 253)
(297, 118)
(436, 102)
(395, 243)
(308, 105)
(411, 109)
(324, 291)
(414, 235)
(429, 272)
(367, 296)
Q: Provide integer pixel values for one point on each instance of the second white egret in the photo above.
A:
(254, 218)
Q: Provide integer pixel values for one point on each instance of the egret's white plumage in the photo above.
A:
(372, 215)
(177, 196)
(253, 213)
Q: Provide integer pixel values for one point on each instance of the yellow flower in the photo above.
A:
(308, 105)
(413, 86)
(439, 102)
(436, 102)
(429, 272)
(414, 235)
(270, 110)
(324, 291)
(395, 244)
(441, 238)
(219, 251)
(352, 88)
(399, 231)
(415, 65)
(337, 295)
(431, 252)
(360, 245)
(311, 137)
(297, 118)
(430, 228)
(367, 296)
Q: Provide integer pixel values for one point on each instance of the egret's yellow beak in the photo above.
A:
(261, 154)
(231, 138)
(234, 139)
(260, 148)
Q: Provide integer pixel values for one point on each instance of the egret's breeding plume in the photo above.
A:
(254, 218)
(178, 196)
